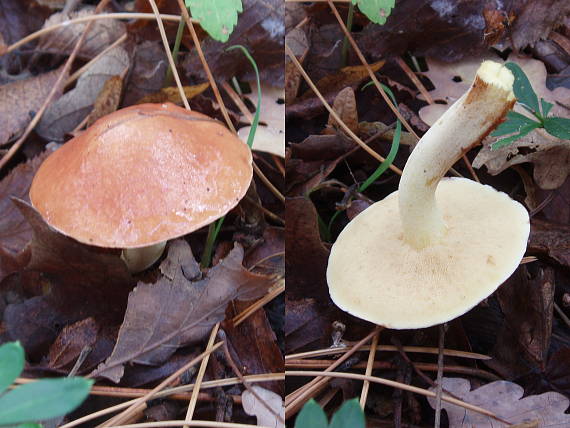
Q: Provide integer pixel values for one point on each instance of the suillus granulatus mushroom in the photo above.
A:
(438, 246)
(140, 176)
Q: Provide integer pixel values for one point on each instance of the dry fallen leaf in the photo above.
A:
(270, 134)
(71, 341)
(65, 114)
(20, 100)
(254, 407)
(177, 311)
(309, 105)
(172, 94)
(550, 155)
(61, 41)
(107, 101)
(297, 41)
(505, 400)
(345, 106)
(81, 279)
(15, 231)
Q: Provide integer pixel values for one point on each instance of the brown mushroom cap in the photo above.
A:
(142, 175)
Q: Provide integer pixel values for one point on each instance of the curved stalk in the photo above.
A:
(462, 127)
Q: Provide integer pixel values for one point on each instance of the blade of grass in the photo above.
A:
(215, 228)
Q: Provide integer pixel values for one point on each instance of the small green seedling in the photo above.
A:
(217, 17)
(350, 415)
(520, 125)
(376, 10)
(40, 400)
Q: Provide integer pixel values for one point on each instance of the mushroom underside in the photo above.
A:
(397, 286)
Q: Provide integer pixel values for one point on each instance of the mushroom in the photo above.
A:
(435, 248)
(140, 176)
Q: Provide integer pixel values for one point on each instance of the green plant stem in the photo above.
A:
(169, 79)
(349, 27)
(214, 228)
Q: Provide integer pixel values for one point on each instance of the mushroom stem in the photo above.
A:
(463, 125)
(138, 259)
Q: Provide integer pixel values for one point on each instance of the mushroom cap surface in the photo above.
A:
(374, 275)
(142, 175)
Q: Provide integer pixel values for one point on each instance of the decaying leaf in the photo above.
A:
(81, 279)
(309, 105)
(176, 311)
(172, 94)
(526, 300)
(61, 41)
(505, 400)
(550, 155)
(254, 407)
(66, 113)
(107, 101)
(15, 231)
(307, 257)
(345, 106)
(270, 134)
(297, 41)
(147, 72)
(71, 341)
(20, 100)
(261, 30)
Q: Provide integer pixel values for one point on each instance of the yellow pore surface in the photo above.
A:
(374, 275)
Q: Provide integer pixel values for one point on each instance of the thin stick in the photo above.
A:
(368, 372)
(369, 70)
(398, 385)
(385, 365)
(237, 101)
(200, 376)
(169, 54)
(241, 317)
(139, 402)
(211, 79)
(390, 348)
(268, 213)
(412, 76)
(56, 87)
(439, 384)
(95, 17)
(296, 399)
(346, 129)
(193, 423)
(234, 367)
(171, 392)
(104, 52)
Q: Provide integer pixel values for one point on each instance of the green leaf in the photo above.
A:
(514, 123)
(217, 17)
(43, 399)
(523, 89)
(558, 126)
(522, 132)
(311, 416)
(29, 425)
(376, 10)
(350, 415)
(546, 106)
(11, 363)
